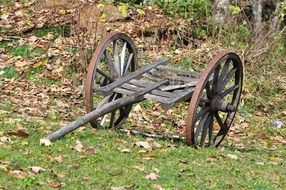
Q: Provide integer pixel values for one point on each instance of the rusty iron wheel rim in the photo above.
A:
(94, 65)
(209, 94)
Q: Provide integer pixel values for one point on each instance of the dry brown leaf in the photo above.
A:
(45, 142)
(157, 186)
(55, 184)
(143, 144)
(18, 174)
(37, 169)
(152, 176)
(137, 108)
(78, 146)
(139, 168)
(19, 133)
(125, 150)
(21, 63)
(89, 150)
(232, 156)
(244, 125)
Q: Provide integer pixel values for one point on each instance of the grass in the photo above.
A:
(177, 165)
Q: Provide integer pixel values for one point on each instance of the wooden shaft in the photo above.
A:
(104, 109)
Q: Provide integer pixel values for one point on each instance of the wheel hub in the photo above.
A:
(218, 104)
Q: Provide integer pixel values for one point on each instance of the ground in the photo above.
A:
(42, 74)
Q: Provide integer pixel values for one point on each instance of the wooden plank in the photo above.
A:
(179, 71)
(161, 99)
(153, 95)
(123, 91)
(183, 79)
(183, 96)
(104, 109)
(174, 87)
(155, 92)
(151, 77)
(140, 82)
(106, 90)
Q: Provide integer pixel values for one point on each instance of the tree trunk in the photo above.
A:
(221, 11)
(257, 21)
(276, 22)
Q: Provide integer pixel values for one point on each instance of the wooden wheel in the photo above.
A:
(114, 57)
(215, 101)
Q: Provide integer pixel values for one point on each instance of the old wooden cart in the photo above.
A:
(114, 83)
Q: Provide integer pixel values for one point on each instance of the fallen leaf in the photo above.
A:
(37, 64)
(211, 159)
(137, 108)
(280, 139)
(78, 146)
(139, 168)
(55, 184)
(143, 144)
(125, 150)
(45, 142)
(19, 133)
(4, 139)
(244, 125)
(121, 188)
(19, 13)
(58, 159)
(157, 186)
(89, 150)
(156, 145)
(18, 174)
(232, 156)
(21, 63)
(152, 176)
(37, 169)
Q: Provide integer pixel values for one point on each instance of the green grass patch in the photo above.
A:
(177, 165)
(21, 50)
(56, 31)
(8, 72)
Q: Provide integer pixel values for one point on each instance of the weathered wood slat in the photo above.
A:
(151, 77)
(123, 91)
(182, 79)
(105, 90)
(161, 99)
(183, 96)
(104, 109)
(180, 71)
(155, 92)
(140, 82)
(174, 87)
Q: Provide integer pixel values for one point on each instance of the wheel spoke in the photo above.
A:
(116, 57)
(103, 101)
(200, 114)
(215, 80)
(104, 75)
(201, 125)
(110, 65)
(227, 78)
(211, 131)
(112, 119)
(224, 69)
(220, 122)
(128, 64)
(103, 119)
(228, 91)
(208, 90)
(205, 129)
(122, 59)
